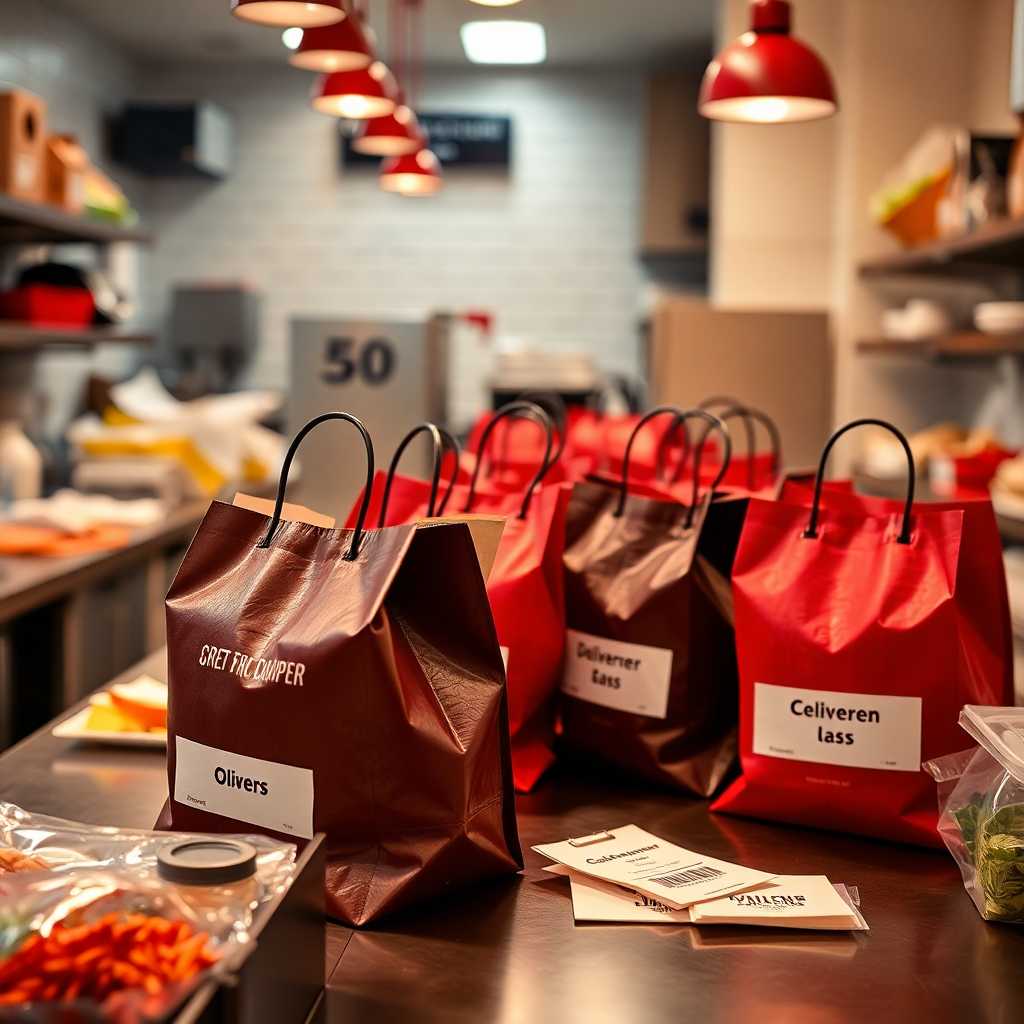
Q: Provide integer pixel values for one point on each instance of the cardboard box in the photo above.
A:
(66, 167)
(779, 361)
(22, 145)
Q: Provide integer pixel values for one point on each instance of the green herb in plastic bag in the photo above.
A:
(997, 845)
(967, 818)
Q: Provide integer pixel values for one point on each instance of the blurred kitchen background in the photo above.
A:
(195, 260)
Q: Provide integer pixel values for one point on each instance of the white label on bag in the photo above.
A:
(276, 796)
(627, 677)
(858, 730)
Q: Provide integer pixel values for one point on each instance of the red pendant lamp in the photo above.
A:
(357, 95)
(288, 13)
(339, 47)
(410, 168)
(397, 134)
(416, 174)
(766, 76)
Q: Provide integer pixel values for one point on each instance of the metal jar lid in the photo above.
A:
(212, 861)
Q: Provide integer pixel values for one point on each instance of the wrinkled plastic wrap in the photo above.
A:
(982, 824)
(57, 876)
(134, 948)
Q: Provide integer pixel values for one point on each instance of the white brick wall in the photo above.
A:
(551, 248)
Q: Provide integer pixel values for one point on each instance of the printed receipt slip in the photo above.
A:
(790, 901)
(675, 876)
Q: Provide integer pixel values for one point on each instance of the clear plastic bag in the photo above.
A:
(132, 947)
(981, 802)
(31, 843)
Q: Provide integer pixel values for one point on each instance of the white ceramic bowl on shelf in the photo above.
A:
(999, 317)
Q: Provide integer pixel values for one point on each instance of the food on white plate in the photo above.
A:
(883, 455)
(144, 701)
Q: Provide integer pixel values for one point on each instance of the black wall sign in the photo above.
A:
(458, 140)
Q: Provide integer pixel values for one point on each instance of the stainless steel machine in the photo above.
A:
(392, 375)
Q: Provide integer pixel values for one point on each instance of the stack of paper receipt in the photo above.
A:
(628, 875)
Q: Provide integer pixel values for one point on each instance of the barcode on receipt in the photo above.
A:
(679, 878)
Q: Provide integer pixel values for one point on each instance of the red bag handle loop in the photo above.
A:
(441, 441)
(357, 533)
(749, 417)
(680, 418)
(551, 402)
(811, 533)
(534, 412)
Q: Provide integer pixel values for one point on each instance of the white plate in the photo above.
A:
(74, 728)
(1009, 322)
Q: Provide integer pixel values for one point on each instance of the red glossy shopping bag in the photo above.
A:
(585, 440)
(396, 499)
(981, 581)
(858, 641)
(751, 472)
(966, 476)
(515, 448)
(525, 591)
(656, 455)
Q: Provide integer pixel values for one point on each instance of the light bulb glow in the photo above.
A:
(357, 95)
(413, 175)
(504, 42)
(395, 135)
(767, 109)
(330, 60)
(354, 106)
(287, 13)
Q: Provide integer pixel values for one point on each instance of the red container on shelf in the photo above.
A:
(966, 476)
(48, 305)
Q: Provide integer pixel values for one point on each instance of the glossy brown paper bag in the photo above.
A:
(651, 682)
(344, 682)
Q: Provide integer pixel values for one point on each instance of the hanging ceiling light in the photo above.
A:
(396, 134)
(339, 47)
(416, 174)
(766, 76)
(357, 95)
(495, 3)
(504, 42)
(301, 13)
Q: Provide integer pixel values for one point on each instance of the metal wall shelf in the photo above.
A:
(23, 223)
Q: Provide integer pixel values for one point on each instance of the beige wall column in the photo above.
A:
(790, 203)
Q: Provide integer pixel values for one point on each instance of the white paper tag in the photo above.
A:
(627, 677)
(594, 900)
(790, 901)
(858, 730)
(634, 858)
(276, 796)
